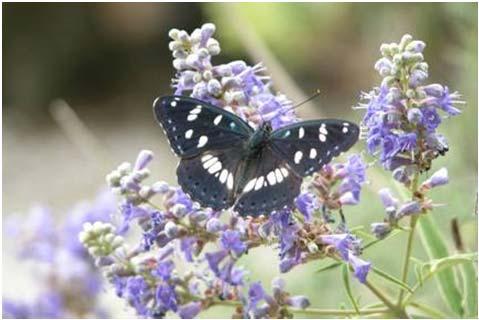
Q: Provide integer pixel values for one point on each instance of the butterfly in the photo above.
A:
(226, 163)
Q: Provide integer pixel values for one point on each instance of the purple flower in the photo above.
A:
(189, 310)
(166, 298)
(306, 204)
(361, 267)
(439, 178)
(344, 243)
(231, 240)
(301, 302)
(164, 269)
(408, 208)
(143, 159)
(380, 229)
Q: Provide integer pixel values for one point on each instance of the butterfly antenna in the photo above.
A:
(315, 95)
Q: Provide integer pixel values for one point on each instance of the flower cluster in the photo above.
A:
(403, 114)
(395, 210)
(70, 282)
(207, 245)
(235, 86)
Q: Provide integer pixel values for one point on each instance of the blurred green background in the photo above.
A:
(109, 61)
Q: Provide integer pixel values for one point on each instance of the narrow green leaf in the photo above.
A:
(469, 278)
(436, 248)
(391, 278)
(329, 267)
(347, 287)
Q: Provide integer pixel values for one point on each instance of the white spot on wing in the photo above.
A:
(191, 117)
(208, 163)
(271, 178)
(196, 110)
(322, 137)
(279, 175)
(215, 168)
(250, 185)
(173, 104)
(313, 153)
(189, 133)
(202, 141)
(206, 157)
(218, 120)
(297, 157)
(229, 183)
(345, 129)
(323, 129)
(284, 172)
(301, 133)
(177, 99)
(223, 176)
(259, 183)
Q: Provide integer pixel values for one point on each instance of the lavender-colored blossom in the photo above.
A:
(439, 178)
(361, 267)
(301, 302)
(231, 240)
(402, 114)
(380, 229)
(408, 208)
(344, 243)
(306, 204)
(189, 310)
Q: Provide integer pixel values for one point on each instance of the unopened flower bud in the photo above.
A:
(171, 229)
(143, 159)
(439, 178)
(380, 229)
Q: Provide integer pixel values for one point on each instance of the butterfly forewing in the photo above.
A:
(193, 126)
(309, 145)
(210, 178)
(266, 184)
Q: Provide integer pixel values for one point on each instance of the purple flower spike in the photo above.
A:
(361, 267)
(189, 310)
(439, 178)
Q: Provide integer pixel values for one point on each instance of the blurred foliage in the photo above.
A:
(114, 58)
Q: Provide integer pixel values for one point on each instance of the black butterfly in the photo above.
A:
(225, 162)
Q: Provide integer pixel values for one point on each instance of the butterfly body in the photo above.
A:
(227, 163)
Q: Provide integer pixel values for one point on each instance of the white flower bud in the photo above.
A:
(179, 210)
(183, 36)
(405, 40)
(124, 168)
(195, 37)
(171, 229)
(175, 45)
(174, 33)
(160, 187)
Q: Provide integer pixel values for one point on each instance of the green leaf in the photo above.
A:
(329, 267)
(438, 265)
(391, 278)
(436, 248)
(469, 279)
(347, 286)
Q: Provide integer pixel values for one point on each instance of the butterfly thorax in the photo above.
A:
(259, 138)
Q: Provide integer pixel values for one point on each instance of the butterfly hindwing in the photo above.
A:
(309, 145)
(209, 178)
(266, 184)
(194, 126)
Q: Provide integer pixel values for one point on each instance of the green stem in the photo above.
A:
(398, 311)
(405, 268)
(410, 239)
(313, 311)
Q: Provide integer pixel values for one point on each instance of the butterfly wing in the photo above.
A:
(193, 126)
(309, 145)
(210, 177)
(266, 184)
